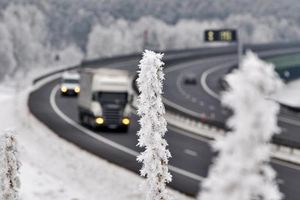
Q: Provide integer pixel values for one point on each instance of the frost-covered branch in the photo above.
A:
(9, 167)
(242, 170)
(153, 127)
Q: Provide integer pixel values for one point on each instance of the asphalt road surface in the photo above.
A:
(203, 98)
(191, 154)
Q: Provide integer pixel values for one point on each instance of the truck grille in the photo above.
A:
(112, 116)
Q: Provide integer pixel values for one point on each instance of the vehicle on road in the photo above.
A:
(190, 79)
(69, 85)
(104, 100)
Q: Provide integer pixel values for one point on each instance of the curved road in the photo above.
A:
(203, 99)
(191, 154)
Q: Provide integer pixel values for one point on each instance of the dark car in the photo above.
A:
(190, 79)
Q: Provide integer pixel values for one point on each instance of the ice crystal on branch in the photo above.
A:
(9, 167)
(153, 127)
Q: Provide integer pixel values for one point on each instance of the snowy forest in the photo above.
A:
(37, 33)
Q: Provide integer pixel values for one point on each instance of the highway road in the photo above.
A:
(191, 154)
(204, 98)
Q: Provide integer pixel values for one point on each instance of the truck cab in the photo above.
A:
(105, 97)
(69, 84)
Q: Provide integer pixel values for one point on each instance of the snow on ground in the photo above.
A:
(53, 168)
(289, 94)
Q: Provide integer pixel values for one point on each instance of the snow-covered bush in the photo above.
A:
(27, 37)
(68, 56)
(242, 171)
(7, 61)
(153, 127)
(123, 37)
(116, 39)
(9, 167)
(24, 38)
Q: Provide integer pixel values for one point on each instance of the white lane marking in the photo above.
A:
(289, 121)
(286, 164)
(203, 79)
(211, 107)
(85, 130)
(182, 132)
(190, 152)
(209, 141)
(120, 147)
(215, 95)
(179, 81)
(109, 142)
(178, 85)
(179, 107)
(283, 130)
(186, 173)
(180, 89)
(190, 135)
(212, 93)
(180, 77)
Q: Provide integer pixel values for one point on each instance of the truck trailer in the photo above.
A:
(105, 97)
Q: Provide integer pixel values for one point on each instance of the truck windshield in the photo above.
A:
(70, 81)
(111, 97)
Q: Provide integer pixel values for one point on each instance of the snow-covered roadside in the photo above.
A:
(53, 168)
(289, 94)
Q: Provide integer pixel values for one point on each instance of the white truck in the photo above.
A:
(104, 99)
(69, 84)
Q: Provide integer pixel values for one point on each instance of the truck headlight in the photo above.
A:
(64, 89)
(99, 120)
(126, 121)
(77, 89)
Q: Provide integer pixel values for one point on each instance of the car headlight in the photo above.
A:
(64, 89)
(77, 89)
(99, 120)
(126, 121)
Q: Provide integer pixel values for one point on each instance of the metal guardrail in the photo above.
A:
(285, 142)
(91, 63)
(36, 80)
(281, 152)
(175, 57)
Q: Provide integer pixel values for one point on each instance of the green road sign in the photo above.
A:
(225, 35)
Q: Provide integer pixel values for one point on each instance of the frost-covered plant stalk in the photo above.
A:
(242, 170)
(9, 167)
(153, 127)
